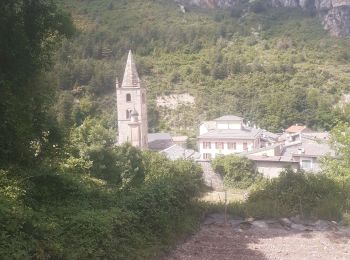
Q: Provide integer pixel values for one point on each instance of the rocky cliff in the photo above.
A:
(335, 14)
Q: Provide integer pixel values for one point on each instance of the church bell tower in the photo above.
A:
(132, 108)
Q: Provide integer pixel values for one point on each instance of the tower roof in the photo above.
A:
(131, 77)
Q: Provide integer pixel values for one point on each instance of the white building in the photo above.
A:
(297, 148)
(226, 135)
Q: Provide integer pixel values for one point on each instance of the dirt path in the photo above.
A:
(259, 241)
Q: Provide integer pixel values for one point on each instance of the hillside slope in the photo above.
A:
(275, 67)
(334, 14)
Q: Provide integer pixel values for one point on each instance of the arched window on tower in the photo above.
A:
(128, 97)
(128, 113)
(143, 98)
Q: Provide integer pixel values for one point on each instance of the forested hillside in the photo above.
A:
(275, 67)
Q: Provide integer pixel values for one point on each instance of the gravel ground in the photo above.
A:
(218, 241)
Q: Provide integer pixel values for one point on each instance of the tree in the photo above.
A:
(91, 150)
(340, 141)
(237, 171)
(29, 32)
(338, 168)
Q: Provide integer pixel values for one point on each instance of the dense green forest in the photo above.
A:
(66, 190)
(275, 67)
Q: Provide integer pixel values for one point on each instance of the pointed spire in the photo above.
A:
(131, 77)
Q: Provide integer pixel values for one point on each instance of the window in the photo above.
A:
(206, 145)
(143, 97)
(231, 146)
(245, 146)
(128, 113)
(128, 97)
(206, 156)
(306, 164)
(219, 145)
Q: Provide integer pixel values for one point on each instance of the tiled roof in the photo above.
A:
(229, 118)
(159, 141)
(271, 135)
(262, 149)
(317, 135)
(158, 136)
(308, 149)
(297, 128)
(175, 152)
(246, 133)
(271, 158)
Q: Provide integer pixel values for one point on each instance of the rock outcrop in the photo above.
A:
(335, 14)
(209, 3)
(337, 21)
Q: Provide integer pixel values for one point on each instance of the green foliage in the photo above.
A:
(71, 216)
(92, 150)
(338, 168)
(237, 171)
(340, 141)
(292, 193)
(89, 147)
(130, 165)
(297, 193)
(29, 33)
(275, 67)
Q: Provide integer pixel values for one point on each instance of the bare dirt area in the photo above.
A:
(174, 100)
(268, 239)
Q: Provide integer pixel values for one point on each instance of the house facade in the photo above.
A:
(271, 166)
(308, 153)
(226, 135)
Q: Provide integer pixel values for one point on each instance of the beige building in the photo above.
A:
(272, 166)
(302, 154)
(132, 107)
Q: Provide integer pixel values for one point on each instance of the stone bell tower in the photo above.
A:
(132, 108)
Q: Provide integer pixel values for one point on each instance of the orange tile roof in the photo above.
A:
(296, 128)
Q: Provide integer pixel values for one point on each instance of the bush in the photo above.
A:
(92, 151)
(80, 216)
(308, 195)
(237, 171)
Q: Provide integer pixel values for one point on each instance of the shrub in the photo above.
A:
(299, 193)
(237, 171)
(80, 216)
